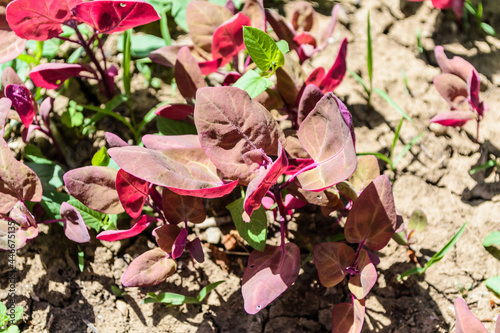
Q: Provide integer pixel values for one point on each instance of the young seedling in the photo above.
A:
(172, 299)
(9, 319)
(478, 15)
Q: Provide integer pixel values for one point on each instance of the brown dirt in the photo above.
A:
(57, 297)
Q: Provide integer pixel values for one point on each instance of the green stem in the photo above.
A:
(165, 33)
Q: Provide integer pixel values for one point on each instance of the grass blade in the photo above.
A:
(360, 81)
(406, 148)
(380, 156)
(369, 51)
(389, 100)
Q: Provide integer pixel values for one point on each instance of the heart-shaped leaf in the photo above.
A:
(361, 284)
(95, 187)
(17, 181)
(114, 235)
(456, 66)
(39, 20)
(149, 269)
(372, 219)
(188, 75)
(348, 318)
(450, 87)
(165, 236)
(331, 260)
(228, 38)
(53, 75)
(231, 124)
(10, 46)
(466, 321)
(179, 208)
(263, 49)
(267, 276)
(132, 192)
(327, 138)
(22, 102)
(74, 226)
(107, 16)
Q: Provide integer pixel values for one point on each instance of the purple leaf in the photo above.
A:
(304, 17)
(39, 20)
(372, 219)
(17, 181)
(453, 89)
(166, 142)
(332, 260)
(336, 73)
(348, 318)
(74, 226)
(149, 269)
(165, 236)
(114, 16)
(281, 28)
(179, 208)
(179, 243)
(267, 276)
(175, 111)
(210, 66)
(188, 75)
(310, 97)
(11, 45)
(114, 235)
(132, 192)
(466, 321)
(228, 38)
(21, 215)
(297, 164)
(474, 86)
(361, 284)
(196, 250)
(167, 55)
(453, 118)
(26, 132)
(44, 110)
(456, 66)
(327, 138)
(328, 31)
(114, 140)
(186, 171)
(22, 102)
(95, 187)
(267, 177)
(5, 105)
(203, 18)
(254, 9)
(316, 77)
(53, 75)
(231, 124)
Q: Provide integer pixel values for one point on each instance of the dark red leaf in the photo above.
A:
(454, 118)
(175, 111)
(108, 16)
(196, 250)
(74, 226)
(316, 77)
(281, 28)
(114, 235)
(22, 102)
(348, 318)
(179, 244)
(474, 86)
(132, 192)
(228, 38)
(361, 284)
(165, 236)
(180, 208)
(210, 66)
(149, 269)
(331, 260)
(231, 78)
(297, 164)
(53, 75)
(305, 38)
(39, 20)
(336, 73)
(188, 75)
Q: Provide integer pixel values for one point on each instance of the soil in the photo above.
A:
(433, 176)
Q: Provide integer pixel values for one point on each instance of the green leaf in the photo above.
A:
(253, 83)
(396, 137)
(179, 13)
(263, 49)
(18, 313)
(174, 127)
(418, 220)
(35, 154)
(488, 28)
(142, 44)
(400, 238)
(484, 166)
(93, 219)
(170, 298)
(380, 156)
(254, 232)
(389, 100)
(283, 46)
(101, 158)
(81, 259)
(3, 309)
(12, 329)
(414, 270)
(360, 81)
(493, 283)
(207, 289)
(117, 291)
(492, 239)
(72, 120)
(405, 149)
(369, 50)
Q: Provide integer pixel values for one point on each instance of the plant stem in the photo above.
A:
(283, 221)
(164, 28)
(292, 178)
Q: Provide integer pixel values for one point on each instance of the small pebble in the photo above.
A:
(213, 235)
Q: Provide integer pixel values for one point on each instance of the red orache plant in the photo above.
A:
(466, 322)
(456, 5)
(459, 85)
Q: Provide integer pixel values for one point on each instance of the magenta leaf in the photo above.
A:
(94, 186)
(474, 87)
(210, 66)
(17, 181)
(22, 102)
(22, 234)
(179, 243)
(267, 177)
(74, 226)
(39, 20)
(231, 124)
(453, 89)
(292, 202)
(188, 75)
(165, 236)
(281, 28)
(114, 140)
(328, 31)
(114, 16)
(196, 250)
(456, 66)
(53, 75)
(267, 276)
(361, 284)
(305, 38)
(228, 38)
(466, 321)
(149, 269)
(316, 77)
(332, 260)
(132, 192)
(114, 235)
(10, 46)
(44, 110)
(328, 139)
(175, 111)
(166, 142)
(372, 219)
(348, 318)
(5, 105)
(453, 118)
(297, 164)
(310, 97)
(186, 171)
(180, 208)
(336, 73)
